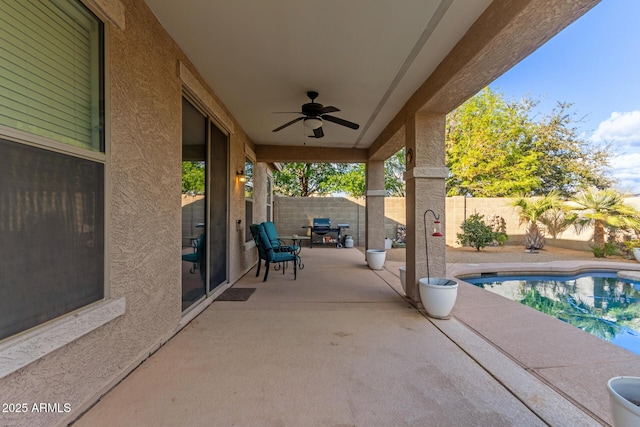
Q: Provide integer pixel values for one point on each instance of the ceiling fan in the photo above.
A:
(313, 115)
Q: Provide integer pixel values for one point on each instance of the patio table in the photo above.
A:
(296, 240)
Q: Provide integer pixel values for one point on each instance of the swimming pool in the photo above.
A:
(597, 302)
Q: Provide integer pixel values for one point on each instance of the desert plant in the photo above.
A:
(604, 251)
(531, 209)
(555, 221)
(630, 246)
(602, 210)
(476, 233)
(499, 227)
(633, 243)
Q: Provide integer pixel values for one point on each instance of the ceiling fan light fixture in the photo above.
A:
(312, 122)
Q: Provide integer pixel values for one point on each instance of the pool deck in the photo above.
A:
(341, 346)
(575, 364)
(571, 362)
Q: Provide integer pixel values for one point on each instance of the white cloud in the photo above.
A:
(623, 128)
(626, 169)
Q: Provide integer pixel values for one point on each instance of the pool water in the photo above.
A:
(596, 302)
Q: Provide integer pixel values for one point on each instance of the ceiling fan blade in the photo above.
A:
(339, 121)
(329, 109)
(287, 124)
(318, 132)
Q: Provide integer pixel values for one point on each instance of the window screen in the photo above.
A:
(51, 235)
(50, 73)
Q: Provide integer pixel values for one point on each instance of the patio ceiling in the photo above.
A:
(377, 61)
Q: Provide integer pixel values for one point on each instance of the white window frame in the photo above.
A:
(24, 348)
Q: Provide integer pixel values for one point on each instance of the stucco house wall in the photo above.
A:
(146, 74)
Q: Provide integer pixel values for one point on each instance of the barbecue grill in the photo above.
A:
(322, 226)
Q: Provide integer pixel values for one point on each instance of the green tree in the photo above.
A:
(602, 210)
(394, 169)
(306, 179)
(351, 180)
(496, 149)
(192, 178)
(489, 145)
(567, 162)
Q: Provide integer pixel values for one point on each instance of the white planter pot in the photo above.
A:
(636, 253)
(375, 258)
(621, 391)
(403, 279)
(438, 296)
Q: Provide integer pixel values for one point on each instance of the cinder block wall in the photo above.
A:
(291, 213)
(193, 211)
(460, 208)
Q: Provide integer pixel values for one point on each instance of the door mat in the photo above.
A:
(236, 294)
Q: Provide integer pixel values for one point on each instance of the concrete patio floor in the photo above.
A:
(340, 346)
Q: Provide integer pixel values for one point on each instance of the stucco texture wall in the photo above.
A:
(144, 224)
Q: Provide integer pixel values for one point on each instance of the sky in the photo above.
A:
(593, 64)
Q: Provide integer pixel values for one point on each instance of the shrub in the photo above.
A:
(477, 234)
(608, 250)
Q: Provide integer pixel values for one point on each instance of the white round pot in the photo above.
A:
(623, 391)
(438, 296)
(403, 279)
(636, 253)
(375, 258)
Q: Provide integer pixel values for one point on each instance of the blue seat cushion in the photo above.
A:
(283, 256)
(190, 257)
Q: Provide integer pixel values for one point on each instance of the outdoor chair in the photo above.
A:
(276, 243)
(266, 252)
(197, 257)
(262, 254)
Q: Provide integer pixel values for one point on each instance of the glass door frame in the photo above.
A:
(210, 122)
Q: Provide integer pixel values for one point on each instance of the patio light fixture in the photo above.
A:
(240, 176)
(312, 122)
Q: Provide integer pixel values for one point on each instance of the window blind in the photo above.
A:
(50, 71)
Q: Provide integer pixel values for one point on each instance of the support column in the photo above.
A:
(425, 178)
(374, 211)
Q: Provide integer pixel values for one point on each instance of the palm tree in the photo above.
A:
(602, 209)
(531, 210)
(555, 220)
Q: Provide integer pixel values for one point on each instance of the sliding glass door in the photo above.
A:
(204, 205)
(218, 185)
